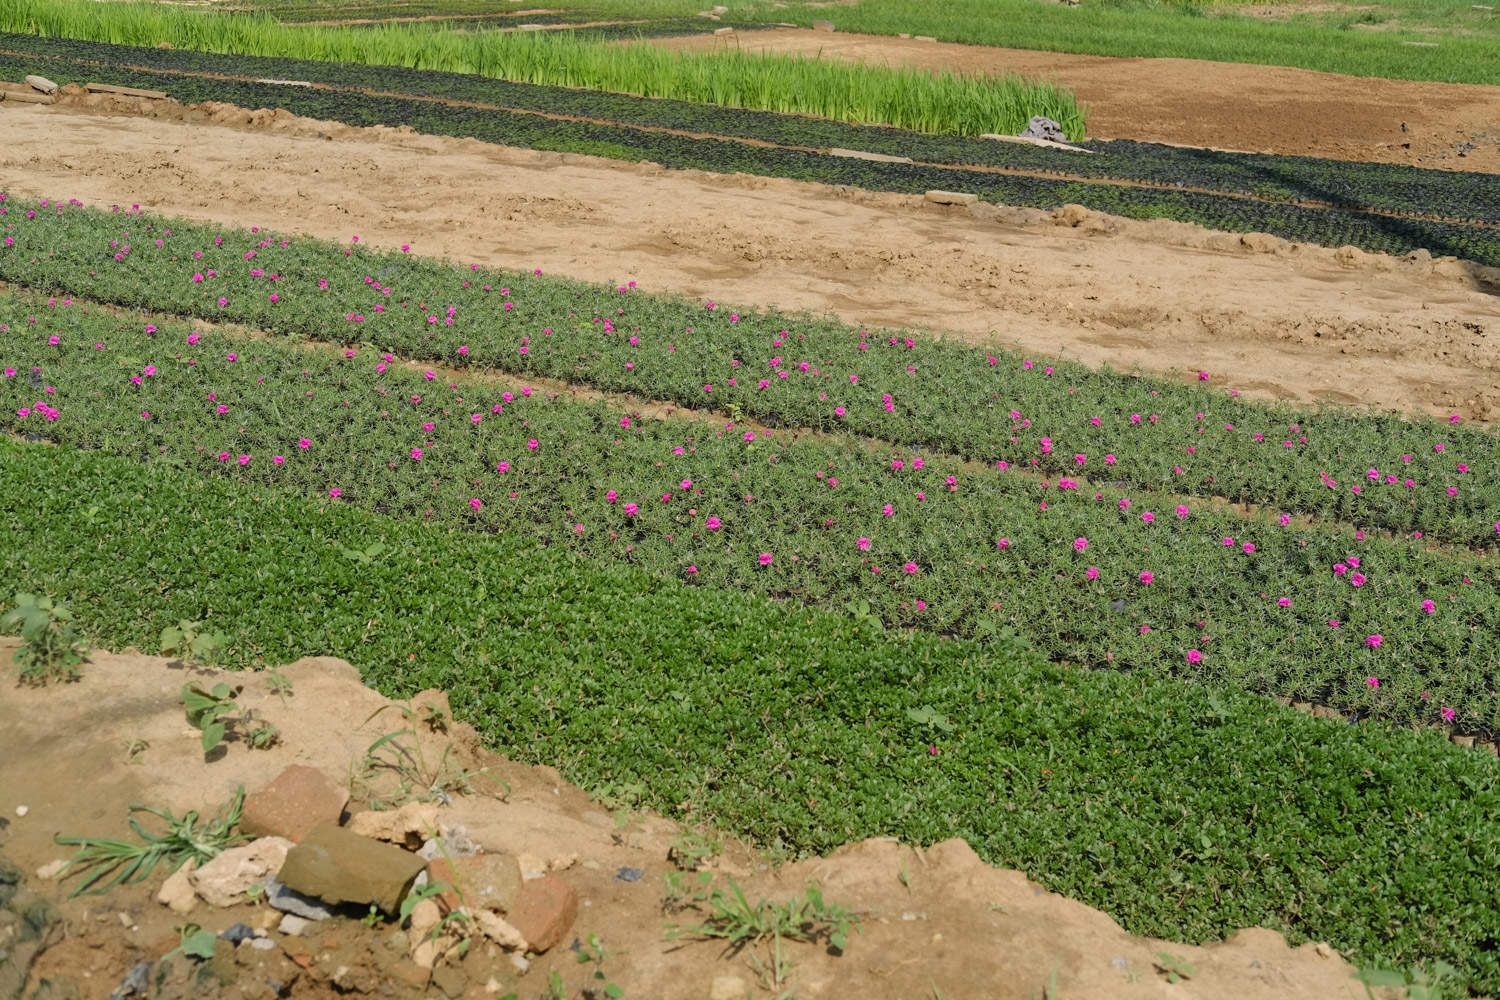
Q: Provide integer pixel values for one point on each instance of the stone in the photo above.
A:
(456, 843)
(951, 198)
(176, 893)
(499, 930)
(224, 880)
(293, 924)
(859, 154)
(46, 86)
(299, 799)
(822, 26)
(544, 910)
(486, 881)
(52, 869)
(426, 915)
(450, 979)
(728, 988)
(411, 825)
(284, 900)
(342, 867)
(1042, 127)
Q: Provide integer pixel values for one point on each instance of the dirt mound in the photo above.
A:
(77, 755)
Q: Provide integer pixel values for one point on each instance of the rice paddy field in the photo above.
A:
(753, 431)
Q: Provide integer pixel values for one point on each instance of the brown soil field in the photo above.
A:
(1263, 109)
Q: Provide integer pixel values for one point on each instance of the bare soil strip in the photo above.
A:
(1269, 318)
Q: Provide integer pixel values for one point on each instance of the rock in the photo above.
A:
(428, 951)
(176, 893)
(285, 900)
(822, 26)
(224, 880)
(1041, 127)
(456, 843)
(500, 931)
(487, 881)
(543, 911)
(450, 979)
(52, 869)
(728, 988)
(951, 198)
(299, 799)
(46, 86)
(338, 866)
(293, 924)
(411, 825)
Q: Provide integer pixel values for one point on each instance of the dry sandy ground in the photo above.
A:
(938, 918)
(1273, 319)
(1263, 109)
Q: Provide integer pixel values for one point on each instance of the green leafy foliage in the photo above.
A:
(49, 650)
(183, 840)
(790, 727)
(209, 710)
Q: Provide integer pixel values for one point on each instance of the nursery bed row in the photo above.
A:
(797, 728)
(1417, 478)
(1380, 187)
(1376, 629)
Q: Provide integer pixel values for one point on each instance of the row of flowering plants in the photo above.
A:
(1428, 479)
(1106, 576)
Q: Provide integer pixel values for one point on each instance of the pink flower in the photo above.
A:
(1202, 377)
(504, 467)
(1147, 577)
(749, 435)
(1358, 579)
(1194, 656)
(1248, 547)
(863, 544)
(1227, 542)
(277, 460)
(1339, 569)
(1374, 641)
(416, 453)
(910, 567)
(1429, 608)
(474, 502)
(335, 492)
(631, 509)
(1374, 682)
(532, 444)
(712, 524)
(1182, 511)
(1092, 572)
(1284, 602)
(304, 444)
(1003, 543)
(1148, 517)
(1079, 544)
(1333, 623)
(244, 459)
(765, 558)
(1447, 714)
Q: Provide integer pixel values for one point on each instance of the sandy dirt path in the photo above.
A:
(1195, 102)
(1270, 318)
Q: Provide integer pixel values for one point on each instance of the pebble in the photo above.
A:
(22, 810)
(626, 874)
(293, 924)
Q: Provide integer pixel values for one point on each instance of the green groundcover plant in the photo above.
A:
(1184, 810)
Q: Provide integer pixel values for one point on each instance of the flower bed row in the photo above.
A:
(1102, 576)
(1422, 478)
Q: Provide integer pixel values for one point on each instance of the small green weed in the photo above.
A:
(189, 642)
(194, 942)
(49, 650)
(690, 849)
(1442, 983)
(592, 950)
(401, 754)
(184, 839)
(1174, 968)
(741, 925)
(209, 711)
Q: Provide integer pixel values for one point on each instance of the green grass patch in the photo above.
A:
(917, 99)
(1181, 811)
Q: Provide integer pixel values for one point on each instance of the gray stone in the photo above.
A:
(951, 198)
(1041, 127)
(342, 867)
(41, 83)
(279, 897)
(293, 924)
